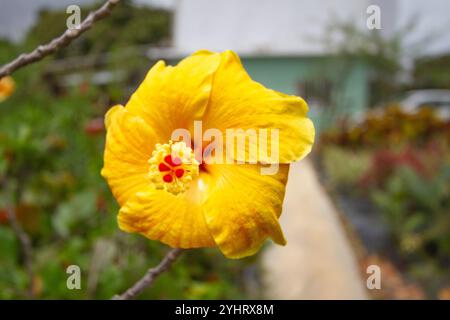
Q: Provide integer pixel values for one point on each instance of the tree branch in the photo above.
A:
(148, 279)
(24, 240)
(60, 42)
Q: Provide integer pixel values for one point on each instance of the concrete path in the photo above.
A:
(317, 262)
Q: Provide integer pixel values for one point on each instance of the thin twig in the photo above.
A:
(60, 42)
(24, 240)
(148, 279)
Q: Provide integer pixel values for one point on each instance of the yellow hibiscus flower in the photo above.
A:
(7, 87)
(187, 202)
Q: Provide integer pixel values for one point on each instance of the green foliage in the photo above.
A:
(432, 72)
(7, 50)
(106, 59)
(75, 212)
(401, 163)
(381, 54)
(343, 167)
(417, 210)
(384, 55)
(128, 25)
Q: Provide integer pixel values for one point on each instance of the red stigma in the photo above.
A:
(172, 162)
(168, 178)
(179, 173)
(163, 167)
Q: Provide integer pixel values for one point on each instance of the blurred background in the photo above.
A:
(380, 101)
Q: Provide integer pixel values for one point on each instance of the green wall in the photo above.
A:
(348, 79)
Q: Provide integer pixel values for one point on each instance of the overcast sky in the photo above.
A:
(16, 16)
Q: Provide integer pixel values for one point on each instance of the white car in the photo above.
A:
(433, 98)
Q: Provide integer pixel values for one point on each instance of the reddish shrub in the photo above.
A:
(385, 162)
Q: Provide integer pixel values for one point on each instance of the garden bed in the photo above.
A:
(390, 176)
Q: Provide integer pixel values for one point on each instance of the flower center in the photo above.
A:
(173, 166)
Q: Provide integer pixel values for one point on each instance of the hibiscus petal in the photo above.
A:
(238, 102)
(242, 207)
(173, 97)
(129, 143)
(174, 220)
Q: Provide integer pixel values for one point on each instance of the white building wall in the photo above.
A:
(265, 26)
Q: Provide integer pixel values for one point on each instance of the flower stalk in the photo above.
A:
(151, 275)
(60, 42)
